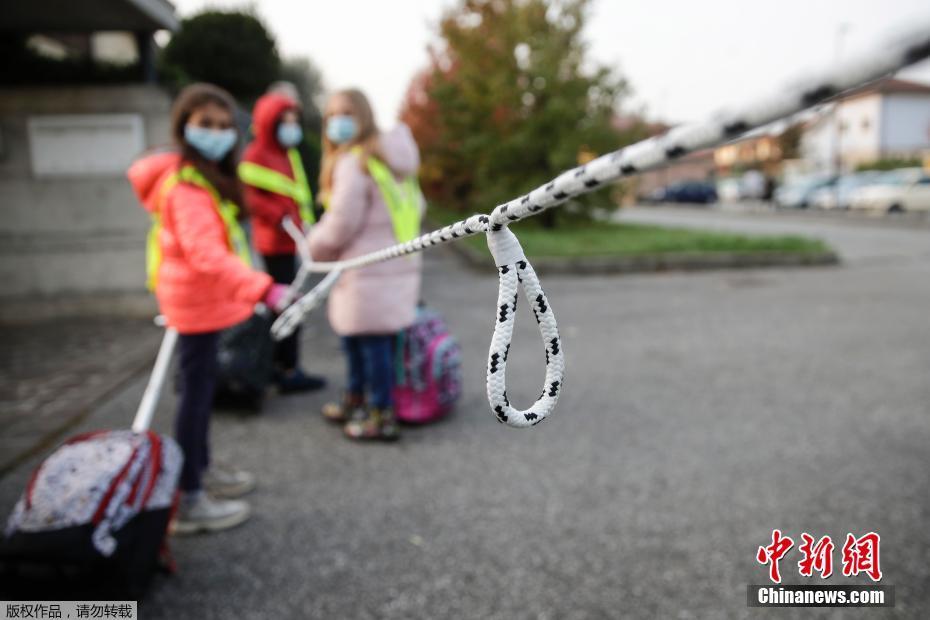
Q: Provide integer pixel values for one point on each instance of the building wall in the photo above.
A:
(859, 138)
(905, 123)
(77, 233)
(693, 167)
(817, 145)
(860, 126)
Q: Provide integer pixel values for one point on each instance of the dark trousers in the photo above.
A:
(198, 367)
(283, 268)
(371, 365)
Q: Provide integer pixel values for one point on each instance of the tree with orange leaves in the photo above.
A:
(510, 100)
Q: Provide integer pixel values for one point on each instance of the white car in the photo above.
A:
(728, 189)
(839, 195)
(796, 193)
(905, 189)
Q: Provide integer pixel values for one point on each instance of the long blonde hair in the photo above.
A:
(366, 138)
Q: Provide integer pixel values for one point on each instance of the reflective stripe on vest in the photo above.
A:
(403, 199)
(228, 211)
(298, 189)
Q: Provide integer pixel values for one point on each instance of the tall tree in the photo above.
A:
(306, 76)
(511, 100)
(232, 49)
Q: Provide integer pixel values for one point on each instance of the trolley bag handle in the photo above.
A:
(300, 240)
(293, 316)
(306, 259)
(146, 410)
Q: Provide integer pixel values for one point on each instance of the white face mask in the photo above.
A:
(341, 128)
(289, 134)
(213, 144)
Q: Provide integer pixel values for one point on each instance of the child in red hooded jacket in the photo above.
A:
(198, 266)
(276, 188)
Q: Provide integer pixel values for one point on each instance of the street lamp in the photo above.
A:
(841, 29)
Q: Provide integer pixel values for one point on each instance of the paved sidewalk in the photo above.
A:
(53, 373)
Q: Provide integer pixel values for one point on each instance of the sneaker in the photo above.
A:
(198, 512)
(378, 424)
(351, 407)
(296, 381)
(227, 482)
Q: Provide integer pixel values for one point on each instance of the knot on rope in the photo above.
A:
(516, 272)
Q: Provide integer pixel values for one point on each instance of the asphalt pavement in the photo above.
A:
(700, 412)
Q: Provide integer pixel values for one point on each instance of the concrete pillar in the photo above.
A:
(146, 44)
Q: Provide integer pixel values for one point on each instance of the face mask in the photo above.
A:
(290, 134)
(340, 129)
(213, 144)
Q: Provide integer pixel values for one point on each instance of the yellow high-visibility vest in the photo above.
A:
(275, 182)
(228, 213)
(403, 199)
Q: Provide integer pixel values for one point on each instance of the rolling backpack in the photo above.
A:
(93, 519)
(428, 366)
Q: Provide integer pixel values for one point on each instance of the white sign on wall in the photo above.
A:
(84, 144)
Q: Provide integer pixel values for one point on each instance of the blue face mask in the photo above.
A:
(340, 129)
(213, 144)
(289, 134)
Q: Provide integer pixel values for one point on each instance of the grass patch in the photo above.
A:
(573, 238)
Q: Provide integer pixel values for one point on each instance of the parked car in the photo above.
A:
(752, 185)
(840, 193)
(905, 189)
(687, 191)
(797, 193)
(728, 189)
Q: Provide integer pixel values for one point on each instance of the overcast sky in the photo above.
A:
(684, 59)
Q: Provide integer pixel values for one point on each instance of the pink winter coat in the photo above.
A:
(380, 298)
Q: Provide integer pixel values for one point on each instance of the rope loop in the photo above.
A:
(516, 272)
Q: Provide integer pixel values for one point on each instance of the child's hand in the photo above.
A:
(277, 297)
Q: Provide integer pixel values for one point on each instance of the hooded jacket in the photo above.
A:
(380, 298)
(202, 286)
(267, 208)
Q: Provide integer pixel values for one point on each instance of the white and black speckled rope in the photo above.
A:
(900, 51)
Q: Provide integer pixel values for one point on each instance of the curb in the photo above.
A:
(901, 221)
(31, 309)
(133, 366)
(656, 263)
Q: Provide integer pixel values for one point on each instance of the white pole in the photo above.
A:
(300, 240)
(306, 259)
(152, 393)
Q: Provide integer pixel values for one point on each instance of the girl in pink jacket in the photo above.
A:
(198, 267)
(368, 306)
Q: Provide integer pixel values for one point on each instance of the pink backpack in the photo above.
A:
(429, 377)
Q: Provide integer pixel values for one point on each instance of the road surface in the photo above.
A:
(700, 412)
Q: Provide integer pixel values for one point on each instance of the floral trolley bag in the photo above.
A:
(94, 515)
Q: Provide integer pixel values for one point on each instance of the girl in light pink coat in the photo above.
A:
(368, 306)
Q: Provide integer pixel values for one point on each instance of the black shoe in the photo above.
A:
(297, 381)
